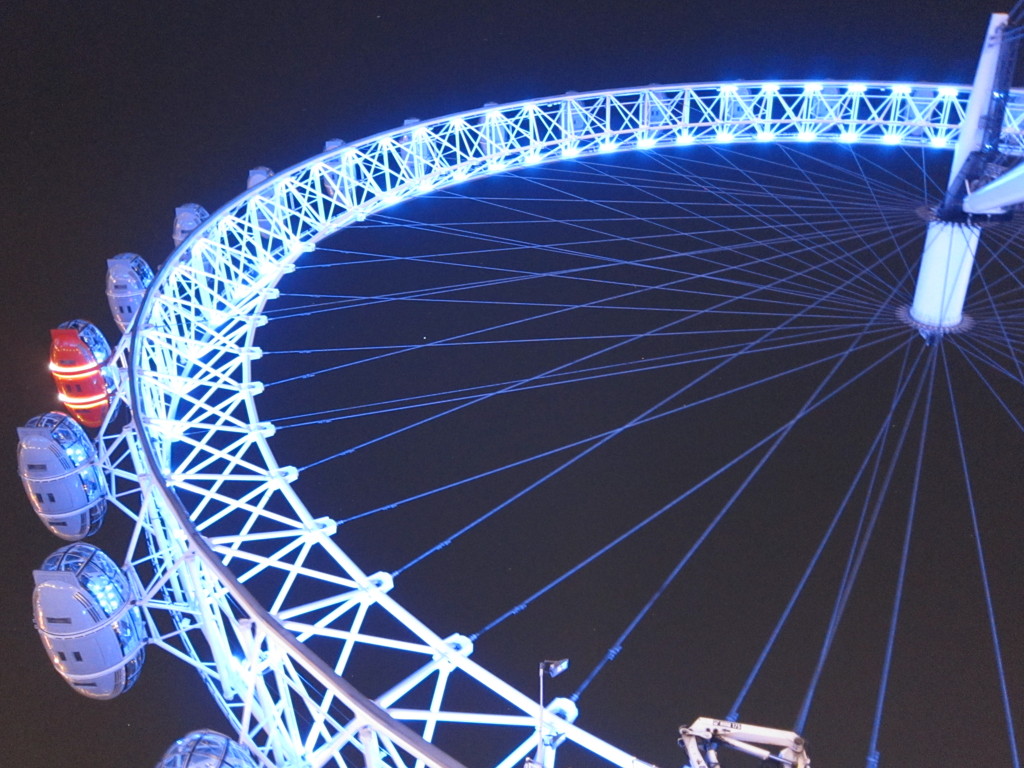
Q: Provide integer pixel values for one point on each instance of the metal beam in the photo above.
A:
(998, 195)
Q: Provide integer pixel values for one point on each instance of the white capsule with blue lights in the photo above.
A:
(128, 277)
(206, 749)
(85, 615)
(58, 466)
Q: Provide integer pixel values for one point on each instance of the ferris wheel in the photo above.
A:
(457, 342)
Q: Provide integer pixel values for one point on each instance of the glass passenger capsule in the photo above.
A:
(58, 467)
(128, 277)
(84, 614)
(206, 749)
(187, 218)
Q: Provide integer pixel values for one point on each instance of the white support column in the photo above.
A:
(945, 271)
(950, 247)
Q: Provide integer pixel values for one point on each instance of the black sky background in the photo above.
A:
(111, 114)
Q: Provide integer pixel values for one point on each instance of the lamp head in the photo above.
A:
(554, 668)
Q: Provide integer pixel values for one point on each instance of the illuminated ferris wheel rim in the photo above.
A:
(190, 376)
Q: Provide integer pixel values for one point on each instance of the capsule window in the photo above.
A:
(36, 467)
(62, 656)
(39, 497)
(50, 497)
(77, 655)
(86, 685)
(58, 619)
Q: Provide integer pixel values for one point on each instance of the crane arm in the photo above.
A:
(702, 738)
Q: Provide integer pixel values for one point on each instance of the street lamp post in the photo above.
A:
(553, 668)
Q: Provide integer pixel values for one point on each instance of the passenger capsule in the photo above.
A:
(80, 364)
(128, 276)
(85, 617)
(186, 218)
(332, 181)
(262, 203)
(58, 467)
(206, 749)
(257, 175)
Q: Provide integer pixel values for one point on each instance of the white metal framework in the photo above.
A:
(265, 602)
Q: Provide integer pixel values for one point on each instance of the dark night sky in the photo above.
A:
(114, 113)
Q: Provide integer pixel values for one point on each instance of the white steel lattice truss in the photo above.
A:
(218, 519)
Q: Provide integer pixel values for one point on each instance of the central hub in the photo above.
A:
(932, 333)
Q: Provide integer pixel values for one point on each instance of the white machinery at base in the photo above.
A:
(702, 738)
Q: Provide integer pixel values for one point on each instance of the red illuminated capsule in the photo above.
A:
(78, 361)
